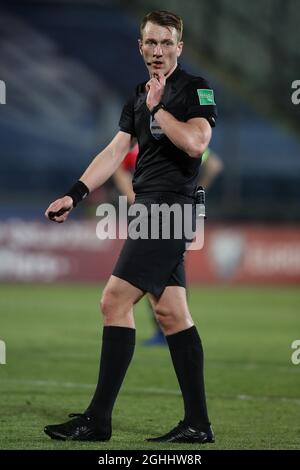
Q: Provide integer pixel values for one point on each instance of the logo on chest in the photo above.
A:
(155, 129)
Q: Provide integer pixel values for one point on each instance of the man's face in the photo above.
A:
(160, 48)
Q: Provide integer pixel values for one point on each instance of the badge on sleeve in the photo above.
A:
(206, 97)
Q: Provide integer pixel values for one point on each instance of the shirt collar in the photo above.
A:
(174, 75)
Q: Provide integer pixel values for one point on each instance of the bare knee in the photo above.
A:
(110, 302)
(165, 316)
(171, 320)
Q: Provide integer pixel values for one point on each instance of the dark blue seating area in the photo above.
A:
(68, 71)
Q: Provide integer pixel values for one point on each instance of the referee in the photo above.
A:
(171, 116)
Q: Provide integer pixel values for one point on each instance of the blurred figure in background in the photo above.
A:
(123, 175)
(211, 167)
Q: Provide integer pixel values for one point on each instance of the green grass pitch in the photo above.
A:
(52, 335)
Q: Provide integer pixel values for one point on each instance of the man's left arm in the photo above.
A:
(192, 137)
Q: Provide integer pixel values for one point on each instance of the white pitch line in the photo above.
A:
(150, 390)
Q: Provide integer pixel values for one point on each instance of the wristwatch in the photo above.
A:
(156, 108)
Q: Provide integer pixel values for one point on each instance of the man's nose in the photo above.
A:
(157, 50)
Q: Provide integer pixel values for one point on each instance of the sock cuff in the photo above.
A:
(183, 338)
(119, 333)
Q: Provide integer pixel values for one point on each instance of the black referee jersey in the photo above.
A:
(161, 166)
(164, 174)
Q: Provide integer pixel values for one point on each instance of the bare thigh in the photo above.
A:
(117, 302)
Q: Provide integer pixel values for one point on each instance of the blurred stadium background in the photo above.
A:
(68, 67)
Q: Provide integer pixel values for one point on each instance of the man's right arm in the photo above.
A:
(99, 170)
(106, 163)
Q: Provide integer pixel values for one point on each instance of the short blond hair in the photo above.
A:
(163, 18)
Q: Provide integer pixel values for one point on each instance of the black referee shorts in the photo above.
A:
(153, 264)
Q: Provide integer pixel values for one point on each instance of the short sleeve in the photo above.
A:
(200, 101)
(126, 122)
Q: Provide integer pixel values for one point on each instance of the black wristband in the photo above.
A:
(156, 108)
(78, 192)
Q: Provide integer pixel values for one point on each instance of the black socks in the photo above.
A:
(117, 351)
(187, 356)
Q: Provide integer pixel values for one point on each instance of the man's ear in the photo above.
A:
(140, 43)
(179, 48)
